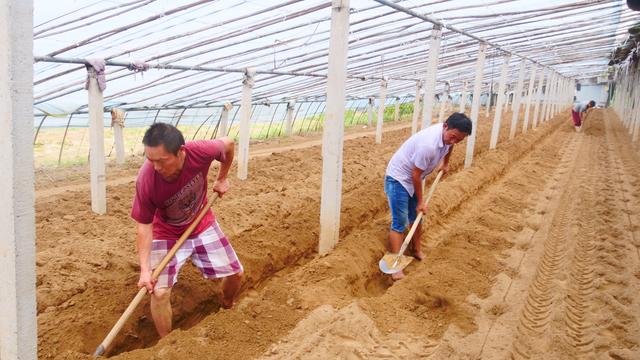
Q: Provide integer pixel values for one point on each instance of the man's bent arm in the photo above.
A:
(229, 146)
(144, 237)
(416, 179)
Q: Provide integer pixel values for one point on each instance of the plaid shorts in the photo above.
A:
(210, 251)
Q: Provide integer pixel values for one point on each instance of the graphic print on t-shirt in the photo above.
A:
(181, 208)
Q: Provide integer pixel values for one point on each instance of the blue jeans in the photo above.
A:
(403, 206)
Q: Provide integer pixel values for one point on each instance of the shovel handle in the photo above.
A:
(142, 292)
(407, 239)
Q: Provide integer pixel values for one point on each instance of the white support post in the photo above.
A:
(538, 99)
(517, 99)
(430, 79)
(117, 123)
(383, 100)
(245, 118)
(547, 97)
(475, 104)
(333, 131)
(223, 128)
(444, 102)
(554, 96)
(463, 97)
(487, 104)
(497, 116)
(635, 119)
(291, 105)
(370, 111)
(544, 97)
(18, 335)
(96, 146)
(416, 108)
(396, 112)
(635, 112)
(532, 80)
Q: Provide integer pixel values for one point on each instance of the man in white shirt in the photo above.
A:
(417, 158)
(579, 111)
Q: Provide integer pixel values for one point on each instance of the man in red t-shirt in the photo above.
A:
(171, 189)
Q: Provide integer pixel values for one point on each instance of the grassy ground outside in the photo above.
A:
(75, 151)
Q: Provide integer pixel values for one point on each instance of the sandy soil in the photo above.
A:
(531, 253)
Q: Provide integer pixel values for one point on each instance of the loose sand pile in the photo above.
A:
(511, 269)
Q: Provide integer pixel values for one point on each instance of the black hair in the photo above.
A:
(592, 103)
(461, 122)
(164, 134)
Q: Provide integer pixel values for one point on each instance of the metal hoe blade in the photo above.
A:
(392, 263)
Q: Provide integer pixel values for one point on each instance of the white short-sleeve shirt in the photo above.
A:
(580, 107)
(424, 150)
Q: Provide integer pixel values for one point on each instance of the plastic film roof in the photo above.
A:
(288, 43)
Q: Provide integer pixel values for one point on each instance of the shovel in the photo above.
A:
(392, 263)
(143, 290)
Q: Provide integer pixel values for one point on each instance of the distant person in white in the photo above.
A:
(579, 111)
(417, 158)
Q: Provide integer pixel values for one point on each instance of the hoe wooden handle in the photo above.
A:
(142, 292)
(407, 239)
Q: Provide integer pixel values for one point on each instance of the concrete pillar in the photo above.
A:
(430, 79)
(372, 102)
(117, 122)
(96, 146)
(517, 99)
(547, 96)
(291, 105)
(223, 128)
(383, 100)
(554, 95)
(497, 116)
(245, 118)
(18, 337)
(416, 108)
(463, 97)
(475, 104)
(333, 131)
(538, 98)
(544, 97)
(487, 104)
(532, 80)
(444, 102)
(396, 112)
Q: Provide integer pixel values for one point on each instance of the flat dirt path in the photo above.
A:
(531, 253)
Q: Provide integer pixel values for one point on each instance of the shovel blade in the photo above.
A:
(391, 264)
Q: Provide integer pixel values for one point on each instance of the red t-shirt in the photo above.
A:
(172, 206)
